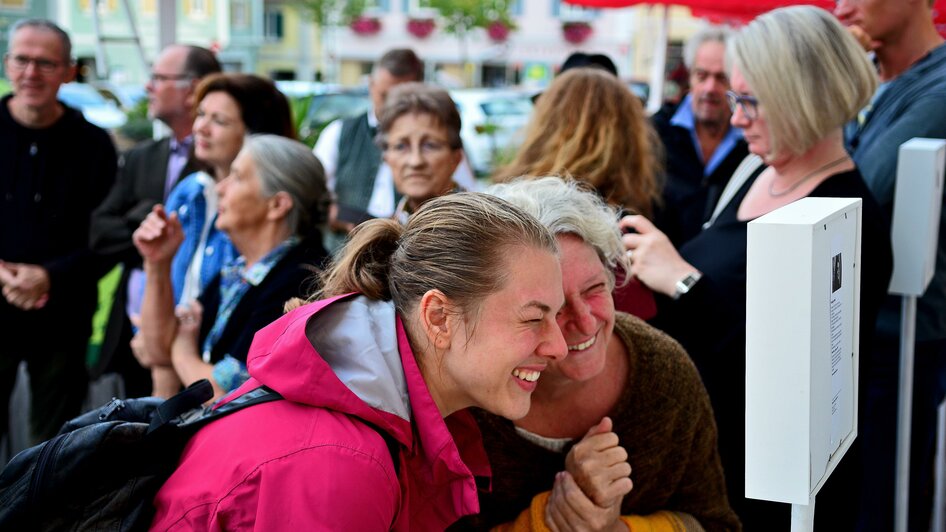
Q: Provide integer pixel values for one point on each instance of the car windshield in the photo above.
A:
(518, 106)
(80, 96)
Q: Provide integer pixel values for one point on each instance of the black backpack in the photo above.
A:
(103, 469)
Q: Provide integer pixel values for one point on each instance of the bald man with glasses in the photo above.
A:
(57, 168)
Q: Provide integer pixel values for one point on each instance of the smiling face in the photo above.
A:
(218, 131)
(421, 158)
(495, 362)
(36, 84)
(587, 319)
(755, 130)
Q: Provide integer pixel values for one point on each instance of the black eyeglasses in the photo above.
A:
(158, 78)
(749, 104)
(21, 62)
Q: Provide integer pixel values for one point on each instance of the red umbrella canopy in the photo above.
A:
(741, 11)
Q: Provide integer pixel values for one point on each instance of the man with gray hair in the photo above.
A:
(702, 150)
(57, 168)
(361, 183)
(146, 175)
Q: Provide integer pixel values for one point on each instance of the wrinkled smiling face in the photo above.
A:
(587, 319)
(495, 363)
(241, 206)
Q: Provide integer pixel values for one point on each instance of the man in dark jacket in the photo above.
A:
(146, 175)
(57, 169)
(911, 102)
(702, 148)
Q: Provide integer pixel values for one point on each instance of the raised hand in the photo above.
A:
(599, 465)
(158, 236)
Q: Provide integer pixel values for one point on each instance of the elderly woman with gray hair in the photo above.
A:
(270, 207)
(419, 134)
(797, 77)
(620, 432)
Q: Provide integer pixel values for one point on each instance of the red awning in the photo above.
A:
(739, 11)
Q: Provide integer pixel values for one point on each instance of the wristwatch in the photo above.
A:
(684, 285)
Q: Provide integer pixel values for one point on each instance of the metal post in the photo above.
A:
(939, 493)
(904, 414)
(656, 98)
(803, 516)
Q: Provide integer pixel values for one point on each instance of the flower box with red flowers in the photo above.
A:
(576, 32)
(365, 25)
(420, 27)
(498, 31)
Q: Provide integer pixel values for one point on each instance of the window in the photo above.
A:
(149, 7)
(20, 5)
(197, 8)
(240, 15)
(272, 24)
(571, 13)
(105, 6)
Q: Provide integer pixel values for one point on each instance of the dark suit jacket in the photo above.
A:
(689, 197)
(142, 172)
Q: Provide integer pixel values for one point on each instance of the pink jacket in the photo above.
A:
(311, 462)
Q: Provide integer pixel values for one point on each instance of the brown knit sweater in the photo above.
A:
(664, 421)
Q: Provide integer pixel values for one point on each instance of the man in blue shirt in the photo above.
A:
(702, 150)
(911, 102)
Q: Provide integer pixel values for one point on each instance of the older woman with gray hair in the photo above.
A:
(797, 77)
(626, 403)
(419, 133)
(270, 207)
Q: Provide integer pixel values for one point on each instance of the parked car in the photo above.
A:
(93, 105)
(125, 95)
(493, 122)
(327, 107)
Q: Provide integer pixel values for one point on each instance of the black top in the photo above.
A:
(689, 197)
(51, 181)
(292, 276)
(710, 319)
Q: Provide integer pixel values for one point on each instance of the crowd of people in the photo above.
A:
(564, 350)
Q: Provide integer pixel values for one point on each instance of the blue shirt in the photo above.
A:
(684, 118)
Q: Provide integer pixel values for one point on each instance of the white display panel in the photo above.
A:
(916, 214)
(802, 323)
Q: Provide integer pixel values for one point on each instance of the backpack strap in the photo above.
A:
(194, 396)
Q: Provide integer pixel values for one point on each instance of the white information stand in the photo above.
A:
(803, 279)
(914, 233)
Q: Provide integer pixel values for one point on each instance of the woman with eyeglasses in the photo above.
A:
(797, 78)
(419, 133)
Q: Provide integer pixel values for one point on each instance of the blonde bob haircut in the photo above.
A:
(808, 73)
(590, 125)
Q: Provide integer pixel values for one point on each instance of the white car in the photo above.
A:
(93, 105)
(492, 124)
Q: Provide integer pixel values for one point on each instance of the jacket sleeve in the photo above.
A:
(328, 487)
(532, 519)
(121, 213)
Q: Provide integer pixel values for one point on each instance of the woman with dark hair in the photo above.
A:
(413, 327)
(270, 207)
(419, 133)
